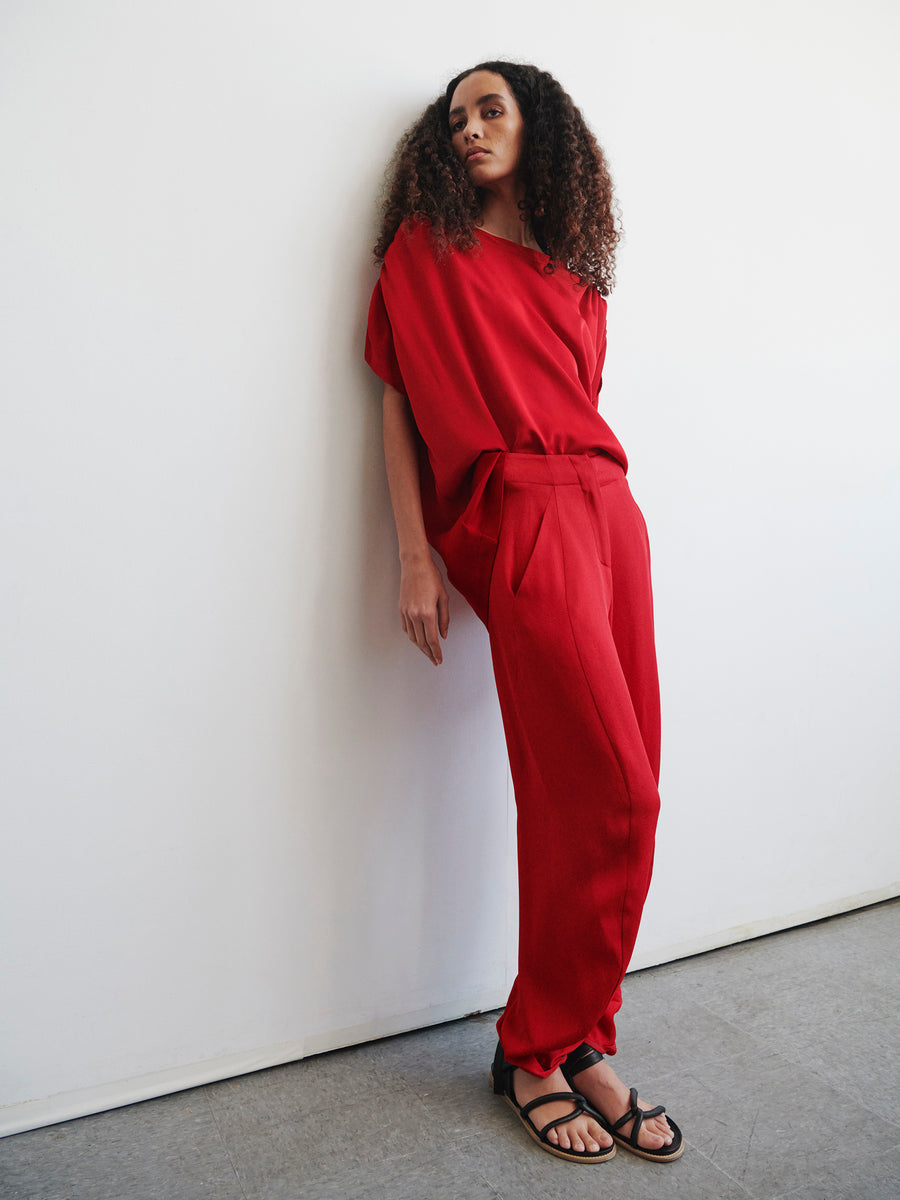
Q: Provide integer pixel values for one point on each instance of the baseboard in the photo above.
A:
(654, 957)
(66, 1106)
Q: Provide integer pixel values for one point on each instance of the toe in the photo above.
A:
(649, 1139)
(580, 1137)
(553, 1136)
(600, 1136)
(659, 1126)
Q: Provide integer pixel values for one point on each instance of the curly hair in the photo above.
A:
(568, 194)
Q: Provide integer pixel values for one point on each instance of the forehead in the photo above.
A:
(480, 83)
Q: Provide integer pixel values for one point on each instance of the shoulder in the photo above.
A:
(412, 242)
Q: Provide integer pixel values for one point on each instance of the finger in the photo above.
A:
(444, 614)
(412, 629)
(432, 639)
(421, 640)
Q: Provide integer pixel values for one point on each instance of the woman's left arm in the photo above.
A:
(424, 603)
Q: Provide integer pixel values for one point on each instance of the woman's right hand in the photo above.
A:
(424, 606)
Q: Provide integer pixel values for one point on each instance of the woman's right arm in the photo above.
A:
(424, 603)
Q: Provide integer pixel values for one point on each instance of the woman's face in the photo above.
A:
(486, 128)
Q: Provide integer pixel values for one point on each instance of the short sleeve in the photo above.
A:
(601, 344)
(380, 353)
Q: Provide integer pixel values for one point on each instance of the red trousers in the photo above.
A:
(570, 619)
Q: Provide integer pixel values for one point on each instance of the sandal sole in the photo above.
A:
(649, 1156)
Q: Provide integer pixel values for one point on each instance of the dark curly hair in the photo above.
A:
(568, 197)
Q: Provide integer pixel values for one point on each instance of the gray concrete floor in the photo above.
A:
(777, 1057)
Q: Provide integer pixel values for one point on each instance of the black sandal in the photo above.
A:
(502, 1085)
(585, 1056)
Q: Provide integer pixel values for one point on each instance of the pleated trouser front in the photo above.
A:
(570, 619)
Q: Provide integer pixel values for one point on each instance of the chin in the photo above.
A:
(480, 173)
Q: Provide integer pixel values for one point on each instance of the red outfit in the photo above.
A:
(525, 498)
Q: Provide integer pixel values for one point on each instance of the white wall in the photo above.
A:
(244, 820)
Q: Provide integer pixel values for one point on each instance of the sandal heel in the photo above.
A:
(499, 1071)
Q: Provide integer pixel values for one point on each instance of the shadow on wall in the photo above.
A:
(409, 804)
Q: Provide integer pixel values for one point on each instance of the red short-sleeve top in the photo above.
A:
(493, 354)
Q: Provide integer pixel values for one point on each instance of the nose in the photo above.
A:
(472, 131)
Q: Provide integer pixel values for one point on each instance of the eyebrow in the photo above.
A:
(481, 100)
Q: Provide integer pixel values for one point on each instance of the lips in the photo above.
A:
(476, 152)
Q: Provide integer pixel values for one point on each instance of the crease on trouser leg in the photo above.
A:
(581, 757)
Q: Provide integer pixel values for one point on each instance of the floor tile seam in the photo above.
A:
(814, 1179)
(224, 1143)
(407, 1093)
(479, 1174)
(794, 1057)
(797, 1056)
(332, 1175)
(689, 1146)
(799, 1060)
(743, 1029)
(848, 982)
(785, 1061)
(839, 1194)
(884, 1153)
(713, 1059)
(839, 1186)
(394, 1083)
(497, 1195)
(461, 1137)
(852, 1096)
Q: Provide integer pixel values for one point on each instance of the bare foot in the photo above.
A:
(581, 1133)
(605, 1091)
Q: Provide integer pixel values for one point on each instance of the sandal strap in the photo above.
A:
(637, 1115)
(573, 1096)
(654, 1112)
(581, 1107)
(581, 1058)
(542, 1133)
(502, 1072)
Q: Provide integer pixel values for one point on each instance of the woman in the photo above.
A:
(488, 329)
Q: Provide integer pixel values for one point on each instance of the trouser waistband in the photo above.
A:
(592, 466)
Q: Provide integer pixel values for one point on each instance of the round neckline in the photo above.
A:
(515, 246)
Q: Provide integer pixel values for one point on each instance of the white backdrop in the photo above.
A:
(243, 820)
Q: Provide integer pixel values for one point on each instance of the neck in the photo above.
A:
(501, 215)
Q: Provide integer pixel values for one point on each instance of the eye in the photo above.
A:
(456, 126)
(495, 112)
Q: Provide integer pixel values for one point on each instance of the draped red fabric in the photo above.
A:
(494, 354)
(525, 497)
